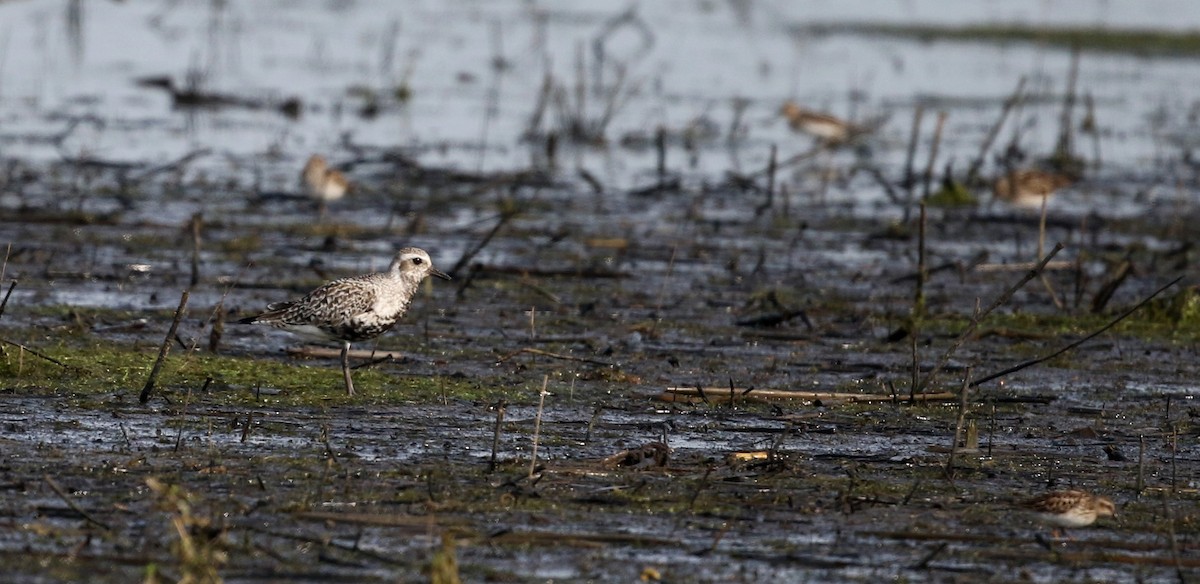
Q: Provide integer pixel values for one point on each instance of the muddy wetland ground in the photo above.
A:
(686, 340)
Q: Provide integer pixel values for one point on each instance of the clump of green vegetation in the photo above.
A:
(443, 569)
(952, 194)
(200, 544)
(107, 368)
(1181, 310)
(1138, 42)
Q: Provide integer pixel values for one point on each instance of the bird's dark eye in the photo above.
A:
(418, 261)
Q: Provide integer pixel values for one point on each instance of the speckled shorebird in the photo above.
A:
(323, 184)
(356, 308)
(825, 127)
(1029, 188)
(1070, 508)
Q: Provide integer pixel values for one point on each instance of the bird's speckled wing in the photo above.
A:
(335, 303)
(1059, 502)
(342, 309)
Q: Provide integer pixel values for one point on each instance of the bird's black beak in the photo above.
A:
(439, 273)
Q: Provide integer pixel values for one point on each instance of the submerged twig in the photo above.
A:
(58, 490)
(723, 394)
(532, 351)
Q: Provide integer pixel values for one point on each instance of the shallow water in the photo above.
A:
(647, 288)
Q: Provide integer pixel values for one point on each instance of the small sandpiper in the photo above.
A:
(323, 184)
(1029, 188)
(356, 308)
(825, 127)
(1070, 508)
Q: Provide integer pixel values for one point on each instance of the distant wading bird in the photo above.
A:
(1028, 188)
(827, 128)
(323, 184)
(353, 309)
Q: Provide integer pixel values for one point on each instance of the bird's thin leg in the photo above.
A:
(346, 368)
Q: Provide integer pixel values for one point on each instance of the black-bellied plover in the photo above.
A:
(356, 308)
(323, 184)
(1070, 508)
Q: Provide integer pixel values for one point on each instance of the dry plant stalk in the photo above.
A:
(910, 156)
(927, 178)
(1089, 337)
(537, 424)
(199, 548)
(980, 315)
(500, 407)
(958, 426)
(1013, 100)
(164, 349)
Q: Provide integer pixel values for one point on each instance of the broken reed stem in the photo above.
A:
(39, 355)
(249, 425)
(660, 145)
(4, 265)
(958, 426)
(1003, 298)
(218, 327)
(922, 271)
(993, 132)
(916, 365)
(537, 425)
(4, 303)
(1040, 246)
(587, 438)
(197, 223)
(164, 349)
(496, 435)
(910, 157)
(183, 416)
(933, 152)
(1063, 149)
(772, 165)
(62, 494)
(1089, 127)
(991, 428)
(1141, 472)
(1089, 337)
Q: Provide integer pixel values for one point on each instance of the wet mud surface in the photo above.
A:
(619, 295)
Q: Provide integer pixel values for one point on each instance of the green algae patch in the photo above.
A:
(1170, 319)
(952, 194)
(1180, 310)
(1132, 41)
(107, 368)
